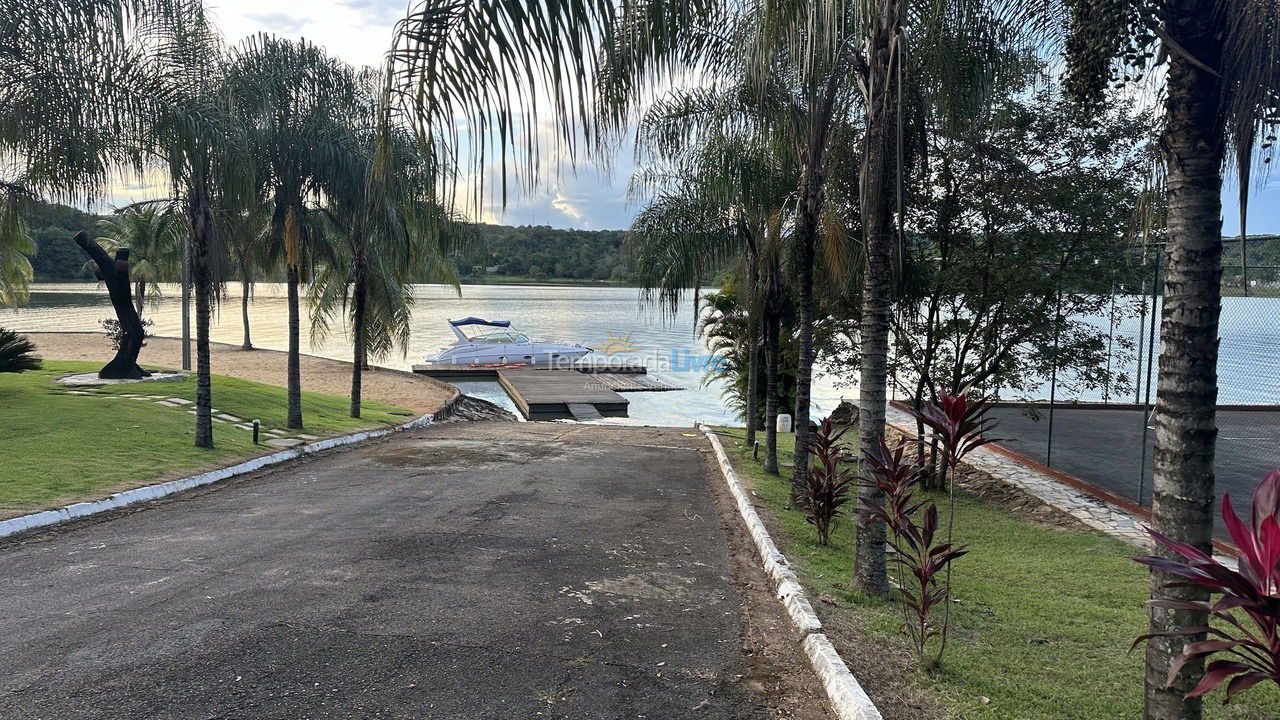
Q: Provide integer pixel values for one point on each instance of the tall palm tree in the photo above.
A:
(153, 234)
(200, 139)
(1221, 93)
(719, 187)
(808, 48)
(293, 97)
(388, 230)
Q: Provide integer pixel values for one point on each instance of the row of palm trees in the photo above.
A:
(277, 156)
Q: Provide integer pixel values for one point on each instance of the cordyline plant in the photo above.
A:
(827, 485)
(923, 559)
(1248, 651)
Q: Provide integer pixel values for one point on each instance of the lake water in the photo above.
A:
(1249, 371)
(586, 315)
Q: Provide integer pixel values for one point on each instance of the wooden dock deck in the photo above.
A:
(544, 394)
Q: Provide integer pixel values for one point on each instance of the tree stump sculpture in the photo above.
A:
(115, 273)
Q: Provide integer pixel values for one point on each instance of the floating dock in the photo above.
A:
(583, 392)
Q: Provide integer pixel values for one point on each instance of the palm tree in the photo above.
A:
(807, 49)
(71, 88)
(153, 235)
(719, 189)
(197, 134)
(1221, 84)
(388, 230)
(245, 232)
(293, 96)
(16, 249)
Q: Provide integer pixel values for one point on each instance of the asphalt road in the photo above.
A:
(1104, 446)
(467, 571)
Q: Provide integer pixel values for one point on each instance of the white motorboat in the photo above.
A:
(495, 342)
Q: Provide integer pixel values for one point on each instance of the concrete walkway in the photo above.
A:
(465, 571)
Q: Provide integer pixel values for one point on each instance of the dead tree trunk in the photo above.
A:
(115, 274)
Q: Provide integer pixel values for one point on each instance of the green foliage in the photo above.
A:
(16, 353)
(51, 226)
(1023, 229)
(724, 325)
(16, 247)
(541, 252)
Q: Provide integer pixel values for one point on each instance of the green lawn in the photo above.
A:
(1044, 620)
(56, 448)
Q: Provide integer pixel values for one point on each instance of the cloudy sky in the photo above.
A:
(359, 31)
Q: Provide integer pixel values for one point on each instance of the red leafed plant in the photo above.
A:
(826, 487)
(1248, 650)
(920, 558)
(957, 424)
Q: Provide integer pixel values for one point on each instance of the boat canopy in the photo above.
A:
(478, 321)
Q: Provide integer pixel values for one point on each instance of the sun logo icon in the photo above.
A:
(612, 344)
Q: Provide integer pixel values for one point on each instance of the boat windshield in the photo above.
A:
(500, 337)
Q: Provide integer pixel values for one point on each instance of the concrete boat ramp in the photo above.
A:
(580, 392)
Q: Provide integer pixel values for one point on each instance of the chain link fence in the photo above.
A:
(1105, 435)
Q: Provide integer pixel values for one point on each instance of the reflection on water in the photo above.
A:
(590, 316)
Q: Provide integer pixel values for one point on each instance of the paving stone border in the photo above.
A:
(118, 500)
(847, 698)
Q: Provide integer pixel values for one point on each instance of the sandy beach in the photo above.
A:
(418, 393)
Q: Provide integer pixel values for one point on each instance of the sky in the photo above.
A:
(360, 31)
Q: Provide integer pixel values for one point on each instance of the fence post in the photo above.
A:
(1053, 377)
(1151, 361)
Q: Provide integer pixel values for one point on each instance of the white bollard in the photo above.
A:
(784, 423)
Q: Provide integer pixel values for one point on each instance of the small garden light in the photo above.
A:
(257, 425)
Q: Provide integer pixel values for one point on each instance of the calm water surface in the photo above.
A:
(1249, 369)
(586, 315)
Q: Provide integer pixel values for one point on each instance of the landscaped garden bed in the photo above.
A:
(61, 444)
(1042, 619)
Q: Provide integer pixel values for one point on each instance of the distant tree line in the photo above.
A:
(536, 252)
(539, 252)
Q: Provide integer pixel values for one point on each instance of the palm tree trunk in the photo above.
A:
(359, 291)
(139, 295)
(806, 232)
(295, 370)
(1186, 391)
(753, 352)
(771, 354)
(201, 240)
(246, 287)
(873, 341)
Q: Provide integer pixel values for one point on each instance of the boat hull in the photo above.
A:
(509, 354)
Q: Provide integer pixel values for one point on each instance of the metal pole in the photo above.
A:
(1111, 336)
(1053, 378)
(1244, 258)
(1142, 327)
(1151, 361)
(186, 302)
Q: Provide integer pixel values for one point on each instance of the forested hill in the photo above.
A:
(52, 226)
(537, 253)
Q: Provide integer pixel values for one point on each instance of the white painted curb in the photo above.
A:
(153, 492)
(846, 696)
